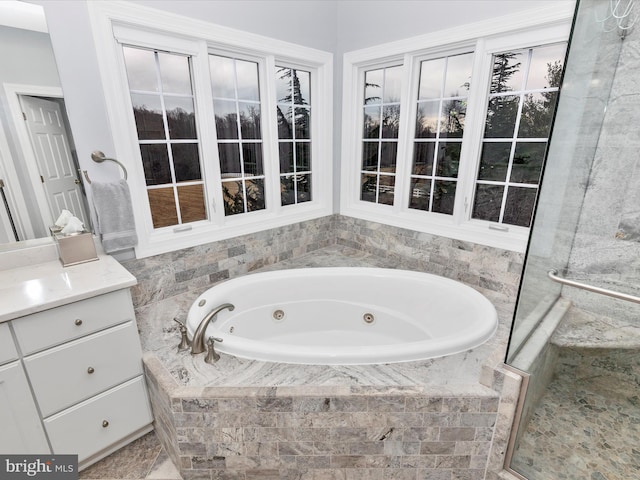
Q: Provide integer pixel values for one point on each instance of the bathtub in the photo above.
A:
(344, 316)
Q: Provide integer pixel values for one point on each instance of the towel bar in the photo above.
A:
(100, 157)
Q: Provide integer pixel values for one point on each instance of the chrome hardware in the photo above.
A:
(105, 424)
(212, 356)
(278, 314)
(553, 275)
(78, 322)
(100, 157)
(202, 302)
(90, 370)
(368, 318)
(197, 344)
(184, 340)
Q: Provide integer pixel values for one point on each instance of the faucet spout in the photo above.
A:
(197, 344)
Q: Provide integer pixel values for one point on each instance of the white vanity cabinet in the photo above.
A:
(73, 374)
(22, 431)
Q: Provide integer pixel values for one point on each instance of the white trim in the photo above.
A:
(533, 27)
(13, 92)
(15, 199)
(137, 25)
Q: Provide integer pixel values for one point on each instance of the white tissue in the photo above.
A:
(74, 225)
(63, 218)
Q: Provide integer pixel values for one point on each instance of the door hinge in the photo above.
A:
(24, 116)
(41, 178)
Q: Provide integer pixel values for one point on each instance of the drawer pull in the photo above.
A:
(78, 322)
(105, 424)
(90, 370)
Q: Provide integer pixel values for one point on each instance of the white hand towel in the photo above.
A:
(112, 202)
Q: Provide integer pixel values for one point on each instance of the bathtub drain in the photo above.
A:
(278, 315)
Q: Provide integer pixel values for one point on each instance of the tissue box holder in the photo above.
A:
(75, 248)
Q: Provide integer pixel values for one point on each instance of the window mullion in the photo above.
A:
(208, 138)
(405, 133)
(270, 148)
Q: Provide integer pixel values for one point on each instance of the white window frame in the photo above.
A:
(117, 23)
(538, 27)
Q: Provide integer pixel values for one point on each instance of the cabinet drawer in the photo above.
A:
(77, 370)
(44, 329)
(101, 421)
(8, 350)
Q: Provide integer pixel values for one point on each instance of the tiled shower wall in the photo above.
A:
(196, 269)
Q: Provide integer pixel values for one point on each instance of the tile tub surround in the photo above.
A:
(247, 419)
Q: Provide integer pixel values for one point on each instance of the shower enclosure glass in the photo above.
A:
(587, 226)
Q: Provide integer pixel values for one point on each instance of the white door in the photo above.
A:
(53, 153)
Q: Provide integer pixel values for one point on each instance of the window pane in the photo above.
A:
(501, 116)
(444, 194)
(546, 67)
(303, 183)
(392, 85)
(175, 74)
(163, 207)
(222, 76)
(507, 72)
(369, 187)
(191, 198)
(250, 120)
(286, 157)
(458, 75)
(233, 197)
(388, 156)
(252, 157)
(386, 189)
(537, 114)
(420, 194)
(147, 110)
(303, 157)
(226, 119)
(155, 161)
(423, 154)
(304, 79)
(373, 86)
(186, 162)
(287, 190)
(255, 194)
(247, 76)
(427, 121)
(371, 122)
(390, 121)
(494, 161)
(448, 159)
(431, 76)
(487, 203)
(303, 123)
(141, 69)
(285, 128)
(527, 162)
(283, 85)
(370, 156)
(229, 159)
(453, 114)
(519, 207)
(180, 117)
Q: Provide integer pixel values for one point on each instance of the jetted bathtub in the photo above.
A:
(344, 316)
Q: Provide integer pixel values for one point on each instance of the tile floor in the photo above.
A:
(586, 427)
(142, 459)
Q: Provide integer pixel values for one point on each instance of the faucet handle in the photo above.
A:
(175, 319)
(212, 356)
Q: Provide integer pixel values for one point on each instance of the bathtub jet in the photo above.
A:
(345, 316)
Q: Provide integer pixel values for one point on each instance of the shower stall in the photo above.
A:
(579, 349)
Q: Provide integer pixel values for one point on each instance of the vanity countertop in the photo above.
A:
(46, 285)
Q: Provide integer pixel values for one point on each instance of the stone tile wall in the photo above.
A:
(323, 432)
(197, 268)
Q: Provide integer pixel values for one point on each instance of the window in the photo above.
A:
(451, 139)
(163, 108)
(215, 126)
